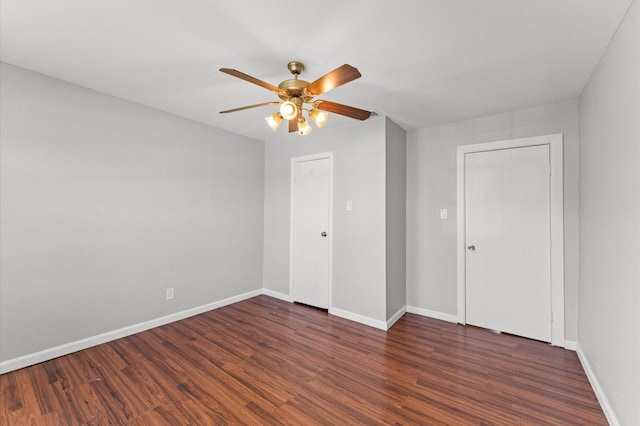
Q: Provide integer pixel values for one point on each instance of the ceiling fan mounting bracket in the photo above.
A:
(295, 68)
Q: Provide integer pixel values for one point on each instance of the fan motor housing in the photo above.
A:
(292, 88)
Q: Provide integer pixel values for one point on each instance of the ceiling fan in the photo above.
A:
(296, 93)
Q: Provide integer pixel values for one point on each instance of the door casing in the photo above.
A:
(556, 218)
(294, 160)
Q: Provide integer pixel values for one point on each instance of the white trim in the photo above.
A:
(277, 295)
(395, 317)
(570, 345)
(432, 314)
(557, 224)
(78, 345)
(302, 159)
(382, 325)
(602, 398)
(557, 237)
(461, 237)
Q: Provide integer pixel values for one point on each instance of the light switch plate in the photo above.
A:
(443, 213)
(349, 205)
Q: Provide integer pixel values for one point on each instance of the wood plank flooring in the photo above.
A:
(265, 361)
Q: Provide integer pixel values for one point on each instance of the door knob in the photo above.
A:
(471, 248)
(324, 234)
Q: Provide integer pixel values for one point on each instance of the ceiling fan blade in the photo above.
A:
(250, 79)
(293, 125)
(341, 109)
(249, 107)
(333, 79)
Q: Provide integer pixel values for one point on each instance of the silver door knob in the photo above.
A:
(324, 234)
(471, 248)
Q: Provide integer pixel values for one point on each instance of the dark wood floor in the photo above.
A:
(264, 361)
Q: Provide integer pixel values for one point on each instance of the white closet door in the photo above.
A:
(508, 282)
(310, 232)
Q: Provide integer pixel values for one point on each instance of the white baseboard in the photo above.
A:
(602, 398)
(432, 314)
(570, 345)
(346, 314)
(382, 325)
(68, 348)
(277, 295)
(395, 317)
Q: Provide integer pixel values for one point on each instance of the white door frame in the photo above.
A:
(302, 159)
(557, 225)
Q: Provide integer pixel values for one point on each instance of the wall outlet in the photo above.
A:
(170, 293)
(443, 213)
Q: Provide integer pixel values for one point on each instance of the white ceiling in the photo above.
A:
(423, 62)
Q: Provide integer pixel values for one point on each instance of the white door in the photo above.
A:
(508, 255)
(311, 203)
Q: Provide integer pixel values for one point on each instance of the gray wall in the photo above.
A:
(396, 202)
(609, 319)
(358, 235)
(106, 203)
(431, 185)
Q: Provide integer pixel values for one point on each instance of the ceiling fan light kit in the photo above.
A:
(288, 110)
(319, 117)
(274, 120)
(303, 126)
(295, 93)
